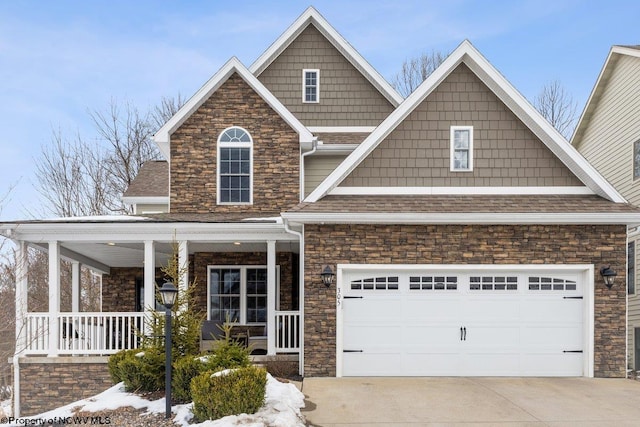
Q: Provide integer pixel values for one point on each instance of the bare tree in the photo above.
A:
(557, 106)
(88, 176)
(414, 71)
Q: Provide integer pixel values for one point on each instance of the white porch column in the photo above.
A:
(75, 287)
(271, 297)
(54, 296)
(22, 273)
(149, 281)
(183, 263)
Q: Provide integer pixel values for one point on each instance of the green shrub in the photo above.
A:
(240, 391)
(184, 370)
(114, 361)
(144, 372)
(228, 353)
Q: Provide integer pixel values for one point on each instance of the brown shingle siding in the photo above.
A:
(497, 134)
(347, 98)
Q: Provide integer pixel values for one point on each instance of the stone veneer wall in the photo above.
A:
(119, 289)
(284, 259)
(47, 383)
(276, 154)
(465, 244)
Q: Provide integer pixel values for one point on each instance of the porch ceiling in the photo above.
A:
(125, 254)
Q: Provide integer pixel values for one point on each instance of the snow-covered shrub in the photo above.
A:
(239, 391)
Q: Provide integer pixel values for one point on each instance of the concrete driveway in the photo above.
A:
(471, 401)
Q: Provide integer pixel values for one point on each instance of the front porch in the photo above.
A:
(248, 270)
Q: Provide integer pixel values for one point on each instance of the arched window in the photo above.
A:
(235, 167)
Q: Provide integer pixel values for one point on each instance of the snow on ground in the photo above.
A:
(5, 408)
(281, 409)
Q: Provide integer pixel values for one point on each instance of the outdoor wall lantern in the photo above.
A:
(168, 293)
(327, 276)
(608, 275)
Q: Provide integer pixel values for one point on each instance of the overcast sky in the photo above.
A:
(60, 59)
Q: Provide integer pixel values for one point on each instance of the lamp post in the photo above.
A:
(168, 292)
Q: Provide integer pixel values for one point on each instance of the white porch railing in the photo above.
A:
(287, 331)
(84, 333)
(108, 333)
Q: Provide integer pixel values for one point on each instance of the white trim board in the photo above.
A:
(460, 218)
(429, 191)
(586, 271)
(233, 65)
(341, 129)
(312, 16)
(155, 200)
(467, 54)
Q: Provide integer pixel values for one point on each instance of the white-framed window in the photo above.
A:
(461, 148)
(235, 167)
(239, 292)
(310, 85)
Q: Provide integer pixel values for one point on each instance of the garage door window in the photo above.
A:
(493, 283)
(377, 283)
(551, 284)
(433, 283)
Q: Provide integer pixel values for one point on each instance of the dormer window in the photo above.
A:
(235, 167)
(310, 85)
(461, 148)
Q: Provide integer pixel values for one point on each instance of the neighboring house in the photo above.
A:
(463, 234)
(608, 135)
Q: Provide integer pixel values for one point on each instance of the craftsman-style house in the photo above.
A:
(453, 232)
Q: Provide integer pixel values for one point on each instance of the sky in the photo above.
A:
(60, 60)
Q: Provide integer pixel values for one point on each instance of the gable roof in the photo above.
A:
(603, 78)
(467, 54)
(163, 136)
(312, 16)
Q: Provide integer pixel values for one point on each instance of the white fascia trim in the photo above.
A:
(328, 149)
(508, 94)
(233, 65)
(460, 218)
(136, 200)
(311, 15)
(429, 191)
(141, 231)
(341, 129)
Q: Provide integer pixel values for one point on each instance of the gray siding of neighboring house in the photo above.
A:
(607, 141)
(417, 152)
(347, 98)
(317, 168)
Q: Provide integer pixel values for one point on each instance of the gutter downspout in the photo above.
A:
(301, 290)
(314, 147)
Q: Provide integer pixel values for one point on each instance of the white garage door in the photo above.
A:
(422, 323)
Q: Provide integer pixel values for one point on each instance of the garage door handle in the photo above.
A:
(352, 351)
(572, 351)
(350, 297)
(465, 333)
(461, 335)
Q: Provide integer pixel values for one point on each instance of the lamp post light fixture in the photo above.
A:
(168, 292)
(608, 275)
(327, 276)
